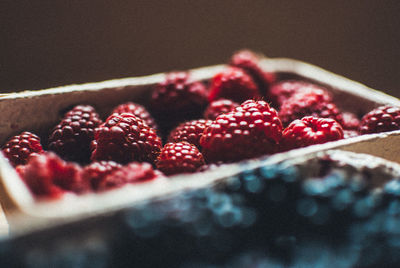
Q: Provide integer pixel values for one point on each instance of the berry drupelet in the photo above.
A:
(20, 147)
(381, 119)
(72, 137)
(137, 110)
(250, 130)
(190, 131)
(124, 138)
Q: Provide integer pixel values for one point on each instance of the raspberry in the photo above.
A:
(97, 171)
(180, 157)
(350, 121)
(132, 173)
(221, 106)
(71, 138)
(47, 175)
(381, 119)
(249, 62)
(19, 148)
(138, 110)
(250, 130)
(282, 91)
(314, 103)
(310, 130)
(125, 138)
(233, 83)
(190, 132)
(177, 99)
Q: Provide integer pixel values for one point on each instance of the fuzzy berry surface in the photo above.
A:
(179, 157)
(190, 131)
(233, 83)
(310, 130)
(381, 119)
(137, 110)
(217, 107)
(96, 172)
(316, 103)
(48, 176)
(178, 98)
(283, 90)
(124, 138)
(250, 130)
(249, 62)
(129, 174)
(20, 147)
(72, 137)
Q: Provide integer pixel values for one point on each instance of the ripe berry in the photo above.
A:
(124, 138)
(221, 106)
(96, 172)
(249, 62)
(138, 110)
(19, 148)
(47, 175)
(310, 130)
(250, 130)
(71, 138)
(190, 131)
(350, 121)
(314, 103)
(178, 98)
(132, 173)
(381, 119)
(233, 83)
(283, 90)
(179, 157)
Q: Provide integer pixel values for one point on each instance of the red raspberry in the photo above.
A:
(19, 148)
(381, 119)
(310, 130)
(47, 175)
(71, 138)
(180, 157)
(283, 90)
(249, 62)
(95, 173)
(233, 83)
(314, 103)
(350, 121)
(138, 110)
(125, 138)
(178, 98)
(250, 130)
(221, 106)
(190, 132)
(132, 173)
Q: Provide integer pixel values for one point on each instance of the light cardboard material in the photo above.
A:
(39, 111)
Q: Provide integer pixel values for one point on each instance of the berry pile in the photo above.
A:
(243, 112)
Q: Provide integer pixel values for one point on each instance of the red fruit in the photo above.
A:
(47, 175)
(250, 130)
(178, 98)
(190, 132)
(221, 106)
(19, 148)
(316, 103)
(138, 110)
(132, 173)
(233, 83)
(179, 157)
(96, 172)
(350, 121)
(249, 62)
(124, 138)
(282, 91)
(72, 137)
(381, 119)
(350, 133)
(310, 130)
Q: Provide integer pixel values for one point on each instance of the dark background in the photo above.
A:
(51, 43)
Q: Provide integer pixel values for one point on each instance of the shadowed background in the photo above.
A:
(51, 43)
